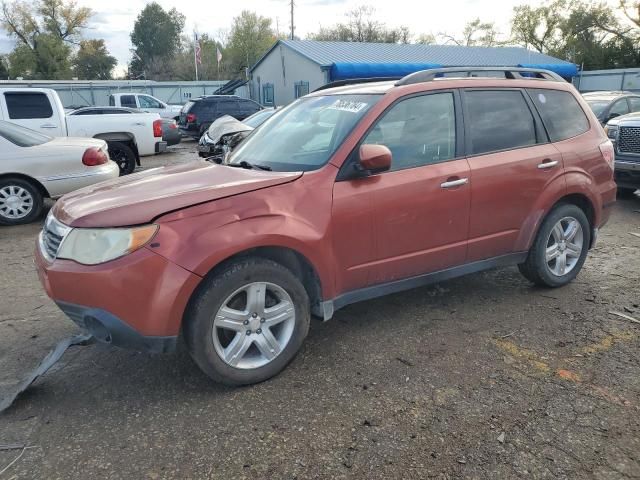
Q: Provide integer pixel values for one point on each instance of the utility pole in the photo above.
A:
(292, 24)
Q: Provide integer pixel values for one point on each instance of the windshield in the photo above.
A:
(21, 136)
(304, 135)
(598, 106)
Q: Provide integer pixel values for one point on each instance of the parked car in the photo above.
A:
(624, 132)
(146, 103)
(170, 132)
(198, 114)
(34, 166)
(226, 133)
(347, 194)
(129, 137)
(608, 105)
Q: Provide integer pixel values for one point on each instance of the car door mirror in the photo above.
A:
(374, 158)
(612, 115)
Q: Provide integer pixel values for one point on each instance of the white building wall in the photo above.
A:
(283, 67)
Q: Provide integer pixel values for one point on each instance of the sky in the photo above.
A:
(115, 22)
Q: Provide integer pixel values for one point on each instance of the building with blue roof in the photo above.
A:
(292, 68)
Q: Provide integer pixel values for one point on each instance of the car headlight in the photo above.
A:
(611, 131)
(92, 246)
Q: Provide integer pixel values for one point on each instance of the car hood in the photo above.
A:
(140, 198)
(225, 126)
(634, 117)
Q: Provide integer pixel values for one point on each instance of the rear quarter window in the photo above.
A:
(561, 113)
(28, 105)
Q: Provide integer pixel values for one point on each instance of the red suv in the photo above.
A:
(347, 194)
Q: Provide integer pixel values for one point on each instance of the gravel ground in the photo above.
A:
(480, 377)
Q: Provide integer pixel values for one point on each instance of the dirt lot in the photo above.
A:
(480, 377)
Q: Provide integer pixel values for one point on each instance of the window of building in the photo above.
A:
(301, 89)
(267, 94)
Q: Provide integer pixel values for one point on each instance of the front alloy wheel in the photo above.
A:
(254, 325)
(564, 246)
(247, 321)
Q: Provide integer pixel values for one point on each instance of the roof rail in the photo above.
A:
(355, 81)
(509, 72)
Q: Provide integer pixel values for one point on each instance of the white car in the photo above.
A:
(145, 103)
(34, 166)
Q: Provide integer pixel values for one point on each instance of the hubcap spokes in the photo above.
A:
(254, 325)
(15, 202)
(564, 246)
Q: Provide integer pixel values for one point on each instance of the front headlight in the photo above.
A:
(611, 131)
(92, 246)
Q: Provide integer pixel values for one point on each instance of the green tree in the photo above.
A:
(251, 36)
(4, 67)
(362, 26)
(156, 41)
(45, 32)
(92, 61)
(631, 9)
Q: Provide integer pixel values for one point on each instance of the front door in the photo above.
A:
(511, 164)
(414, 218)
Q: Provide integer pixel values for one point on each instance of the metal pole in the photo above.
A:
(292, 26)
(195, 56)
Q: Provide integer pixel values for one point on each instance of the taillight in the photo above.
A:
(191, 118)
(94, 156)
(157, 128)
(608, 153)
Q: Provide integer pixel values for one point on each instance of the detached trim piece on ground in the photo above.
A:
(52, 357)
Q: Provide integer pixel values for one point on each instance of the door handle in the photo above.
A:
(454, 183)
(48, 125)
(547, 163)
(139, 124)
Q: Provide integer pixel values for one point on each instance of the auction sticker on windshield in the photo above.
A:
(348, 106)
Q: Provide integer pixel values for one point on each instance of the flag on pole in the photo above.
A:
(218, 55)
(197, 49)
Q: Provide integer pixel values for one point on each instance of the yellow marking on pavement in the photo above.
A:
(608, 341)
(522, 353)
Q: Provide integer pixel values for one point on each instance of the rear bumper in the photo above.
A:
(62, 184)
(107, 328)
(161, 147)
(137, 301)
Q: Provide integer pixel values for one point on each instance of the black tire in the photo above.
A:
(35, 205)
(624, 192)
(535, 268)
(122, 154)
(204, 306)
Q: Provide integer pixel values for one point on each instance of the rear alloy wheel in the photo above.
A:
(20, 202)
(123, 156)
(560, 248)
(245, 324)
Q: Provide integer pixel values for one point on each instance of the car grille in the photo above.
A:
(629, 140)
(52, 236)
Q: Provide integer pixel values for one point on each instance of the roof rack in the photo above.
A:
(355, 81)
(509, 72)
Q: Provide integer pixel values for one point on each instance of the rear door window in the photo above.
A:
(128, 101)
(562, 115)
(498, 120)
(228, 107)
(28, 105)
(634, 104)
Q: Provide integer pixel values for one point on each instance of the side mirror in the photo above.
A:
(374, 158)
(612, 115)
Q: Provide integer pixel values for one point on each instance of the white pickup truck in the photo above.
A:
(128, 136)
(146, 103)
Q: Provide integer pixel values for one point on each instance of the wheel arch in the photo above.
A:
(289, 258)
(127, 138)
(27, 178)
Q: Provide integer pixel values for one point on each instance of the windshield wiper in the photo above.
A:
(247, 165)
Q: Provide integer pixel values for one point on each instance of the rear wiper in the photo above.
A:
(247, 165)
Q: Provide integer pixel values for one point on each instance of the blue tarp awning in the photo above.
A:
(347, 71)
(566, 70)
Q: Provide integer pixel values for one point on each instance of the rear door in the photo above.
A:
(33, 110)
(511, 162)
(228, 107)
